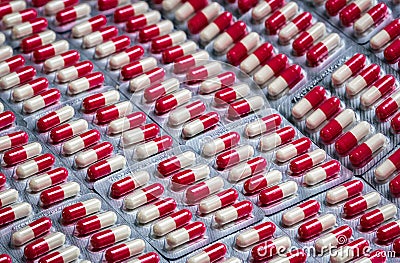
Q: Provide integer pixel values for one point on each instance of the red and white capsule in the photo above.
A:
(326, 171)
(125, 12)
(16, 18)
(153, 147)
(50, 178)
(351, 138)
(52, 7)
(42, 100)
(306, 39)
(140, 134)
(271, 68)
(202, 18)
(259, 56)
(323, 49)
(221, 143)
(310, 101)
(21, 153)
(33, 230)
(59, 193)
(234, 212)
(127, 122)
(188, 8)
(353, 11)
(246, 169)
(280, 17)
(127, 249)
(287, 79)
(337, 237)
(79, 210)
(242, 48)
(97, 37)
(217, 201)
(150, 32)
(105, 167)
(63, 60)
(335, 127)
(363, 153)
(316, 226)
(50, 50)
(143, 196)
(112, 46)
(270, 248)
(201, 190)
(377, 216)
(30, 43)
(129, 183)
(389, 166)
(293, 149)
(80, 142)
(344, 191)
(99, 100)
(13, 139)
(255, 234)
(258, 182)
(109, 237)
(200, 124)
(72, 13)
(30, 89)
(36, 165)
(7, 118)
(172, 222)
(263, 125)
(14, 212)
(11, 7)
(210, 254)
(189, 176)
(43, 245)
(167, 41)
(348, 69)
(89, 26)
(353, 250)
(156, 91)
(232, 93)
(215, 27)
(8, 197)
(112, 112)
(363, 79)
(234, 33)
(137, 22)
(74, 72)
(171, 54)
(307, 161)
(175, 163)
(55, 118)
(370, 18)
(300, 212)
(264, 8)
(298, 24)
(276, 193)
(245, 106)
(94, 223)
(20, 76)
(11, 64)
(380, 87)
(66, 254)
(234, 156)
(33, 26)
(147, 79)
(324, 112)
(90, 81)
(388, 107)
(137, 68)
(277, 138)
(193, 60)
(156, 210)
(94, 154)
(185, 234)
(386, 35)
(361, 204)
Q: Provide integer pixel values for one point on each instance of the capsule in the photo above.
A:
(72, 13)
(287, 79)
(321, 50)
(188, 8)
(202, 18)
(171, 101)
(360, 204)
(293, 149)
(201, 190)
(128, 249)
(11, 7)
(255, 234)
(335, 127)
(8, 197)
(74, 72)
(200, 124)
(271, 68)
(127, 122)
(344, 191)
(365, 78)
(112, 112)
(21, 153)
(142, 133)
(156, 210)
(185, 113)
(125, 12)
(189, 176)
(334, 6)
(324, 112)
(307, 161)
(30, 43)
(7, 118)
(80, 142)
(52, 7)
(97, 37)
(174, 221)
(270, 248)
(50, 50)
(353, 250)
(298, 24)
(79, 210)
(300, 212)
(110, 236)
(241, 49)
(55, 118)
(351, 138)
(90, 81)
(42, 100)
(5, 52)
(112, 46)
(153, 147)
(261, 181)
(388, 167)
(264, 8)
(167, 41)
(143, 196)
(99, 100)
(310, 101)
(209, 254)
(215, 27)
(349, 68)
(380, 87)
(98, 152)
(306, 39)
(185, 234)
(233, 157)
(326, 171)
(30, 89)
(377, 216)
(91, 25)
(66, 254)
(137, 68)
(63, 60)
(35, 165)
(20, 76)
(337, 237)
(43, 245)
(156, 91)
(388, 107)
(95, 222)
(278, 192)
(33, 230)
(33, 26)
(125, 57)
(11, 64)
(129, 183)
(280, 17)
(217, 201)
(221, 143)
(171, 54)
(147, 79)
(59, 193)
(12, 140)
(175, 163)
(260, 55)
(193, 60)
(137, 22)
(245, 106)
(105, 167)
(277, 138)
(152, 31)
(316, 226)
(14, 212)
(246, 169)
(235, 32)
(353, 11)
(363, 153)
(370, 18)
(50, 178)
(386, 35)
(230, 94)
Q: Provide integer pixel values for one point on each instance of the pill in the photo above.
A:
(221, 143)
(260, 55)
(130, 121)
(203, 18)
(112, 46)
(175, 163)
(255, 234)
(105, 167)
(156, 91)
(11, 7)
(169, 5)
(277, 192)
(189, 176)
(322, 49)
(270, 248)
(162, 43)
(99, 100)
(217, 201)
(380, 87)
(351, 138)
(200, 124)
(245, 5)
(263, 125)
(388, 107)
(11, 64)
(55, 118)
(43, 245)
(33, 26)
(171, 101)
(20, 76)
(52, 7)
(232, 93)
(316, 226)
(21, 153)
(334, 6)
(307, 161)
(280, 17)
(81, 209)
(91, 25)
(42, 100)
(98, 152)
(143, 196)
(242, 48)
(50, 178)
(125, 12)
(394, 186)
(174, 221)
(376, 255)
(142, 133)
(287, 79)
(277, 138)
(112, 112)
(128, 249)
(388, 167)
(134, 69)
(335, 127)
(137, 22)
(105, 5)
(298, 256)
(74, 72)
(97, 37)
(310, 101)
(326, 171)
(66, 254)
(360, 204)
(307, 38)
(30, 43)
(264, 8)
(324, 112)
(293, 149)
(8, 197)
(301, 212)
(72, 13)
(7, 118)
(370, 18)
(353, 11)
(210, 254)
(271, 68)
(110, 236)
(50, 50)
(363, 79)
(201, 190)
(298, 24)
(387, 34)
(348, 69)
(245, 106)
(233, 157)
(344, 191)
(36, 165)
(90, 81)
(59, 193)
(63, 60)
(261, 181)
(171, 54)
(156, 210)
(95, 222)
(353, 250)
(388, 231)
(377, 216)
(153, 147)
(246, 169)
(215, 27)
(13, 139)
(395, 123)
(129, 183)
(337, 237)
(182, 64)
(30, 89)
(188, 8)
(185, 234)
(221, 80)
(150, 32)
(33, 230)
(147, 79)
(14, 212)
(360, 155)
(234, 33)
(80, 142)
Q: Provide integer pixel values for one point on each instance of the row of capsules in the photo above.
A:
(270, 161)
(351, 222)
(178, 202)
